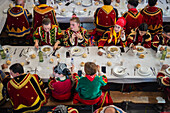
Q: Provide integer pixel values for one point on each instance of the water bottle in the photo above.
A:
(40, 53)
(3, 55)
(164, 52)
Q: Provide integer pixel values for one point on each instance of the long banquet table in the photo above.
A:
(44, 69)
(86, 16)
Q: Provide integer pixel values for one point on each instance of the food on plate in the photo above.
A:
(10, 5)
(45, 49)
(22, 63)
(84, 9)
(76, 50)
(82, 64)
(141, 56)
(96, 3)
(109, 63)
(109, 55)
(33, 56)
(51, 60)
(60, 3)
(58, 55)
(100, 53)
(168, 56)
(78, 3)
(139, 49)
(8, 62)
(138, 66)
(116, 4)
(118, 1)
(113, 49)
(84, 55)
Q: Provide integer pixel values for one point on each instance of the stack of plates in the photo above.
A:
(117, 73)
(144, 71)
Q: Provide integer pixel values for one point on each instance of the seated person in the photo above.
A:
(139, 36)
(104, 18)
(114, 36)
(88, 87)
(163, 79)
(63, 109)
(109, 109)
(75, 35)
(47, 34)
(152, 16)
(60, 84)
(41, 11)
(161, 40)
(25, 90)
(132, 16)
(17, 22)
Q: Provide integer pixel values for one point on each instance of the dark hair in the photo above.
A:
(17, 68)
(133, 2)
(152, 2)
(46, 21)
(107, 2)
(90, 68)
(143, 27)
(166, 28)
(76, 19)
(42, 1)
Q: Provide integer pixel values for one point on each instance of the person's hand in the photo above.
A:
(72, 68)
(122, 34)
(72, 37)
(165, 66)
(98, 68)
(100, 53)
(79, 36)
(36, 44)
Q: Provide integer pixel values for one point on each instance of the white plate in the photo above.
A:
(86, 3)
(117, 51)
(77, 50)
(46, 49)
(168, 70)
(119, 68)
(142, 74)
(7, 47)
(143, 50)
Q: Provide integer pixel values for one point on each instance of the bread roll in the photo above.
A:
(138, 66)
(116, 4)
(10, 5)
(109, 55)
(141, 56)
(60, 3)
(84, 55)
(63, 10)
(51, 60)
(96, 3)
(168, 56)
(33, 56)
(84, 9)
(109, 63)
(78, 3)
(8, 62)
(58, 55)
(82, 64)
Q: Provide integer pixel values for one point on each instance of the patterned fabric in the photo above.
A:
(17, 22)
(110, 37)
(77, 42)
(156, 41)
(61, 89)
(25, 93)
(101, 110)
(87, 89)
(133, 20)
(69, 110)
(135, 38)
(152, 16)
(47, 38)
(40, 12)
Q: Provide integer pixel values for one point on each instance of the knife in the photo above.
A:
(127, 50)
(89, 13)
(20, 55)
(87, 50)
(152, 70)
(134, 71)
(15, 51)
(54, 52)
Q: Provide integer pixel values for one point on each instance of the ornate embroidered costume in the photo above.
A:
(110, 38)
(17, 22)
(25, 93)
(135, 38)
(152, 16)
(47, 38)
(40, 12)
(133, 20)
(61, 89)
(76, 42)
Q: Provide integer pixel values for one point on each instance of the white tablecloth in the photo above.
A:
(129, 61)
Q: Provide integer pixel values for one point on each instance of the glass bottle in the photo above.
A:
(3, 55)
(40, 53)
(164, 52)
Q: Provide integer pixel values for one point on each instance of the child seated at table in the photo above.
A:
(109, 109)
(113, 36)
(60, 84)
(75, 35)
(162, 39)
(139, 36)
(88, 87)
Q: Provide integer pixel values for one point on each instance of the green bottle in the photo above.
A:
(164, 52)
(3, 55)
(40, 53)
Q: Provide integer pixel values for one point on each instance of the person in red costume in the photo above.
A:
(132, 16)
(113, 36)
(139, 36)
(152, 16)
(25, 90)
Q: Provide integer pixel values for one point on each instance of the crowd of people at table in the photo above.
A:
(26, 91)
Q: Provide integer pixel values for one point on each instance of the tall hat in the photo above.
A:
(121, 22)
